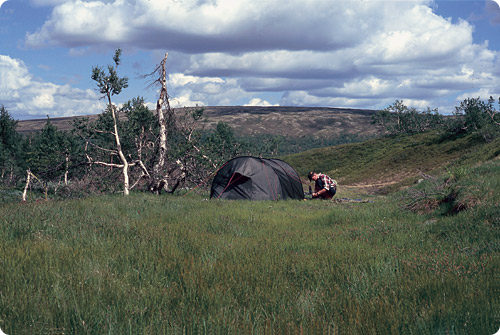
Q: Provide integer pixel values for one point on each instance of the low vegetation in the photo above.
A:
(401, 159)
(393, 265)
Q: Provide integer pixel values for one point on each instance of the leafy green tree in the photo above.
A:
(221, 143)
(50, 153)
(472, 114)
(11, 158)
(188, 159)
(109, 84)
(140, 130)
(8, 135)
(476, 116)
(401, 119)
(382, 118)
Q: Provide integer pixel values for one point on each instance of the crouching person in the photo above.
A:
(324, 186)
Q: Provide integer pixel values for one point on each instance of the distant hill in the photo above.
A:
(321, 122)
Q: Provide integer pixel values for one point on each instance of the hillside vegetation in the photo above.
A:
(400, 160)
(252, 120)
(80, 156)
(190, 146)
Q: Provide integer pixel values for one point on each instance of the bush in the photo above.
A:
(10, 195)
(400, 119)
(474, 116)
(462, 188)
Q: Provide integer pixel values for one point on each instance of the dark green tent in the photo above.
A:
(255, 178)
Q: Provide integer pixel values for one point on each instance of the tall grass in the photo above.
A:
(159, 265)
(395, 158)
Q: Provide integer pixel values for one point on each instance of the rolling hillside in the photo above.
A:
(383, 164)
(290, 121)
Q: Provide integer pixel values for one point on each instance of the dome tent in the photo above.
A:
(255, 178)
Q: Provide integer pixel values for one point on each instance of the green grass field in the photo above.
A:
(416, 259)
(185, 265)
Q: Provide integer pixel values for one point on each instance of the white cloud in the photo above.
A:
(78, 23)
(179, 79)
(210, 91)
(259, 102)
(417, 39)
(13, 76)
(483, 93)
(43, 100)
(191, 90)
(201, 26)
(24, 96)
(184, 101)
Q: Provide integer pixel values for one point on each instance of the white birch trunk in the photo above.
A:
(126, 183)
(158, 178)
(28, 180)
(67, 171)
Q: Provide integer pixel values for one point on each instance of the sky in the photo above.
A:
(329, 53)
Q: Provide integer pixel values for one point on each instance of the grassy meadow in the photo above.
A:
(416, 258)
(407, 263)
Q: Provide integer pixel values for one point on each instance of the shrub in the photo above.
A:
(401, 119)
(462, 188)
(476, 116)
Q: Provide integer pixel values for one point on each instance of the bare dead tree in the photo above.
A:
(159, 179)
(179, 155)
(26, 186)
(166, 176)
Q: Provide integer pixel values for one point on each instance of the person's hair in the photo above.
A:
(310, 175)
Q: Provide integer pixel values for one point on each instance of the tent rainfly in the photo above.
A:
(255, 178)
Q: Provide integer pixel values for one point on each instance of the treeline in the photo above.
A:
(85, 160)
(63, 163)
(473, 116)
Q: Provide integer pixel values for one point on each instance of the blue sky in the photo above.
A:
(332, 53)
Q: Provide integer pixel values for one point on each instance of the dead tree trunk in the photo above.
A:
(169, 172)
(161, 176)
(159, 181)
(28, 181)
(66, 171)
